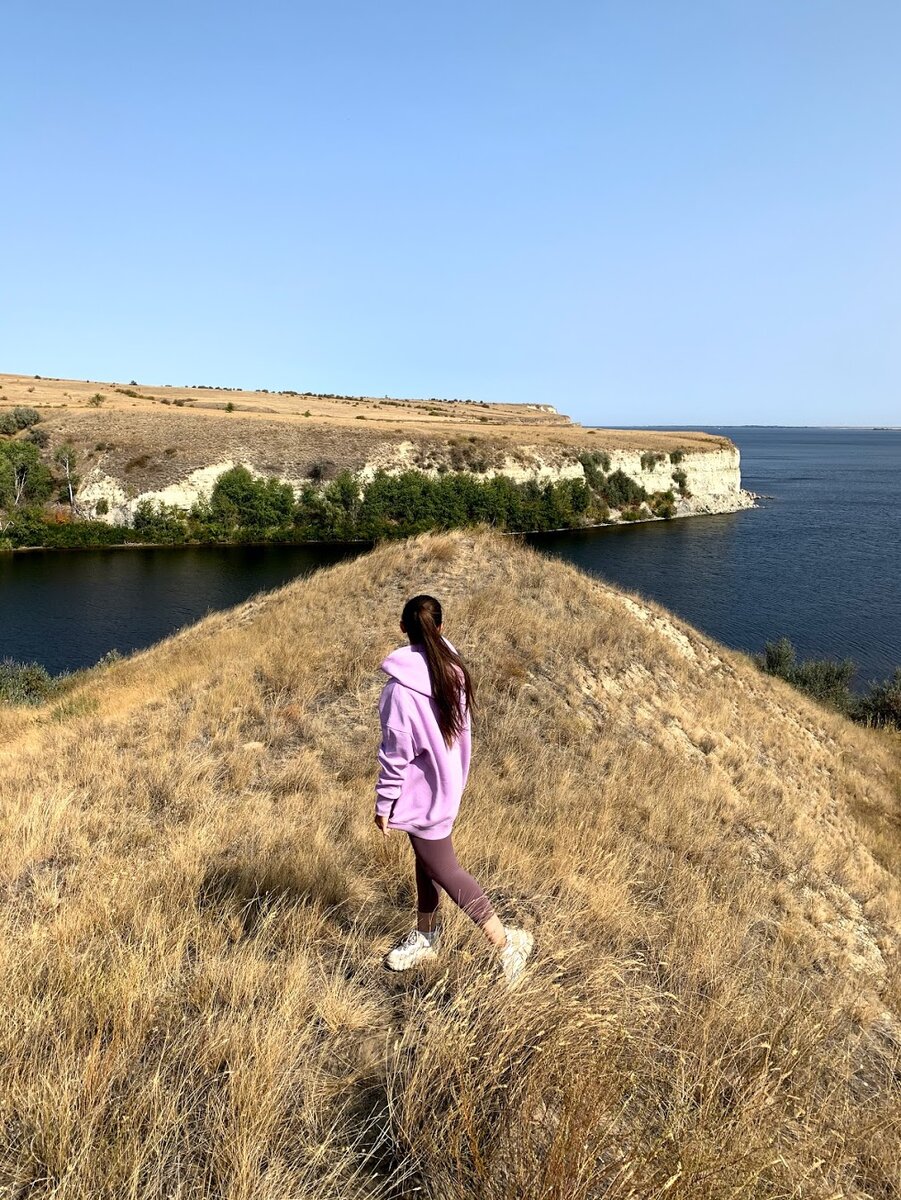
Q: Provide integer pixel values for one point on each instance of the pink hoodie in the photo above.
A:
(420, 778)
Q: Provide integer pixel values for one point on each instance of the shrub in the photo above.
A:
(96, 400)
(650, 459)
(101, 508)
(680, 479)
(621, 491)
(18, 418)
(24, 478)
(25, 683)
(28, 528)
(39, 437)
(241, 501)
(663, 504)
(825, 680)
(230, 407)
(7, 482)
(676, 457)
(595, 465)
(26, 416)
(881, 705)
(159, 522)
(778, 658)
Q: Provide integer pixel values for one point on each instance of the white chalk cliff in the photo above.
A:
(712, 479)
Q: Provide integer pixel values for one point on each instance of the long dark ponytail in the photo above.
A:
(422, 619)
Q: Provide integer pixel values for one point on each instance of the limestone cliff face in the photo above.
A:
(710, 479)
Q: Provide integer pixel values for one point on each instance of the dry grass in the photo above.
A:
(147, 441)
(196, 903)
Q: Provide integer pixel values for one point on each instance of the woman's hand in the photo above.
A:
(381, 824)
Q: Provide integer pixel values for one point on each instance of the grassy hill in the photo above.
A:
(195, 904)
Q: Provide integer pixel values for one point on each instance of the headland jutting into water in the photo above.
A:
(123, 462)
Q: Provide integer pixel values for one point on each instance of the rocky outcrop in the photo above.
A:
(706, 481)
(712, 478)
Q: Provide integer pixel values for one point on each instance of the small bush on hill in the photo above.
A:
(829, 682)
(676, 457)
(18, 418)
(680, 479)
(24, 478)
(663, 504)
(881, 705)
(825, 680)
(595, 465)
(621, 491)
(24, 683)
(651, 458)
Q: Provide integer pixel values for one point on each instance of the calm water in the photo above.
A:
(819, 561)
(67, 609)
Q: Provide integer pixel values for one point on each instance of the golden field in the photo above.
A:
(195, 905)
(149, 437)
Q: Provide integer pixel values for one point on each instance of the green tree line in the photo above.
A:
(243, 507)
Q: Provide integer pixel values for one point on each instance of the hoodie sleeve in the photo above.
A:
(396, 749)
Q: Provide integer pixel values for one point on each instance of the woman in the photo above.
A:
(424, 761)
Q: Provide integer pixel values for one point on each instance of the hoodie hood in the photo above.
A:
(408, 666)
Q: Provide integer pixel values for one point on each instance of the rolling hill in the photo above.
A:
(195, 904)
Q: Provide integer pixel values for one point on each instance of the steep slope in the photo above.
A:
(196, 903)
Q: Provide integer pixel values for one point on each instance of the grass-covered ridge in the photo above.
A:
(195, 904)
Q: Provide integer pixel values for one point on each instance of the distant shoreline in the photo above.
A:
(704, 428)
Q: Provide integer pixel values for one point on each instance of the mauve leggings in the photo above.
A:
(436, 863)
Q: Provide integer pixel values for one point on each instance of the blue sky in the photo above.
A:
(643, 213)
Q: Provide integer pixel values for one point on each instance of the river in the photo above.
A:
(819, 562)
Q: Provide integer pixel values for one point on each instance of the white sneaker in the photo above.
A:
(514, 954)
(412, 949)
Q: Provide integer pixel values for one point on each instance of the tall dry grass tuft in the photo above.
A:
(195, 905)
